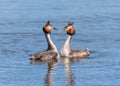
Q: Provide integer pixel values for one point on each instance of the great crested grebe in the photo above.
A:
(66, 51)
(51, 52)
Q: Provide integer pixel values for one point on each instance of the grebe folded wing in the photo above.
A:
(44, 56)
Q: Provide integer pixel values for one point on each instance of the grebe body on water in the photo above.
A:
(51, 52)
(66, 51)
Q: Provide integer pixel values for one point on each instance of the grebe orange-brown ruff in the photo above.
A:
(51, 52)
(66, 51)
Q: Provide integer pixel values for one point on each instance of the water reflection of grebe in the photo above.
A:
(51, 52)
(51, 67)
(66, 50)
(67, 66)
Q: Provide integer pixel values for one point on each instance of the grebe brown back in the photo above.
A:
(66, 51)
(51, 52)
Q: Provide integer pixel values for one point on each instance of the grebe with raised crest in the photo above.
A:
(51, 52)
(66, 51)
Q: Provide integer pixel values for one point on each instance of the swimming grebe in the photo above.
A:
(51, 52)
(66, 51)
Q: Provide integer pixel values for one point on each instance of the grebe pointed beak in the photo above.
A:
(54, 28)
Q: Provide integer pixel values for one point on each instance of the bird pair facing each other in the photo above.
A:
(52, 53)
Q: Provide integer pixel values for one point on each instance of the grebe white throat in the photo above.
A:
(66, 47)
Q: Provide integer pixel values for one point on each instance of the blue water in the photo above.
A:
(97, 25)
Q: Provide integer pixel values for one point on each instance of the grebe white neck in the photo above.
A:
(66, 47)
(51, 45)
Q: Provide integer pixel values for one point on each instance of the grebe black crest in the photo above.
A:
(48, 27)
(69, 29)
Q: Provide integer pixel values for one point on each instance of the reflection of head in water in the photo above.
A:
(51, 67)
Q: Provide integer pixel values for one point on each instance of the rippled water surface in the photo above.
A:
(97, 25)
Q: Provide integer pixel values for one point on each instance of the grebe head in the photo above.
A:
(70, 29)
(48, 27)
